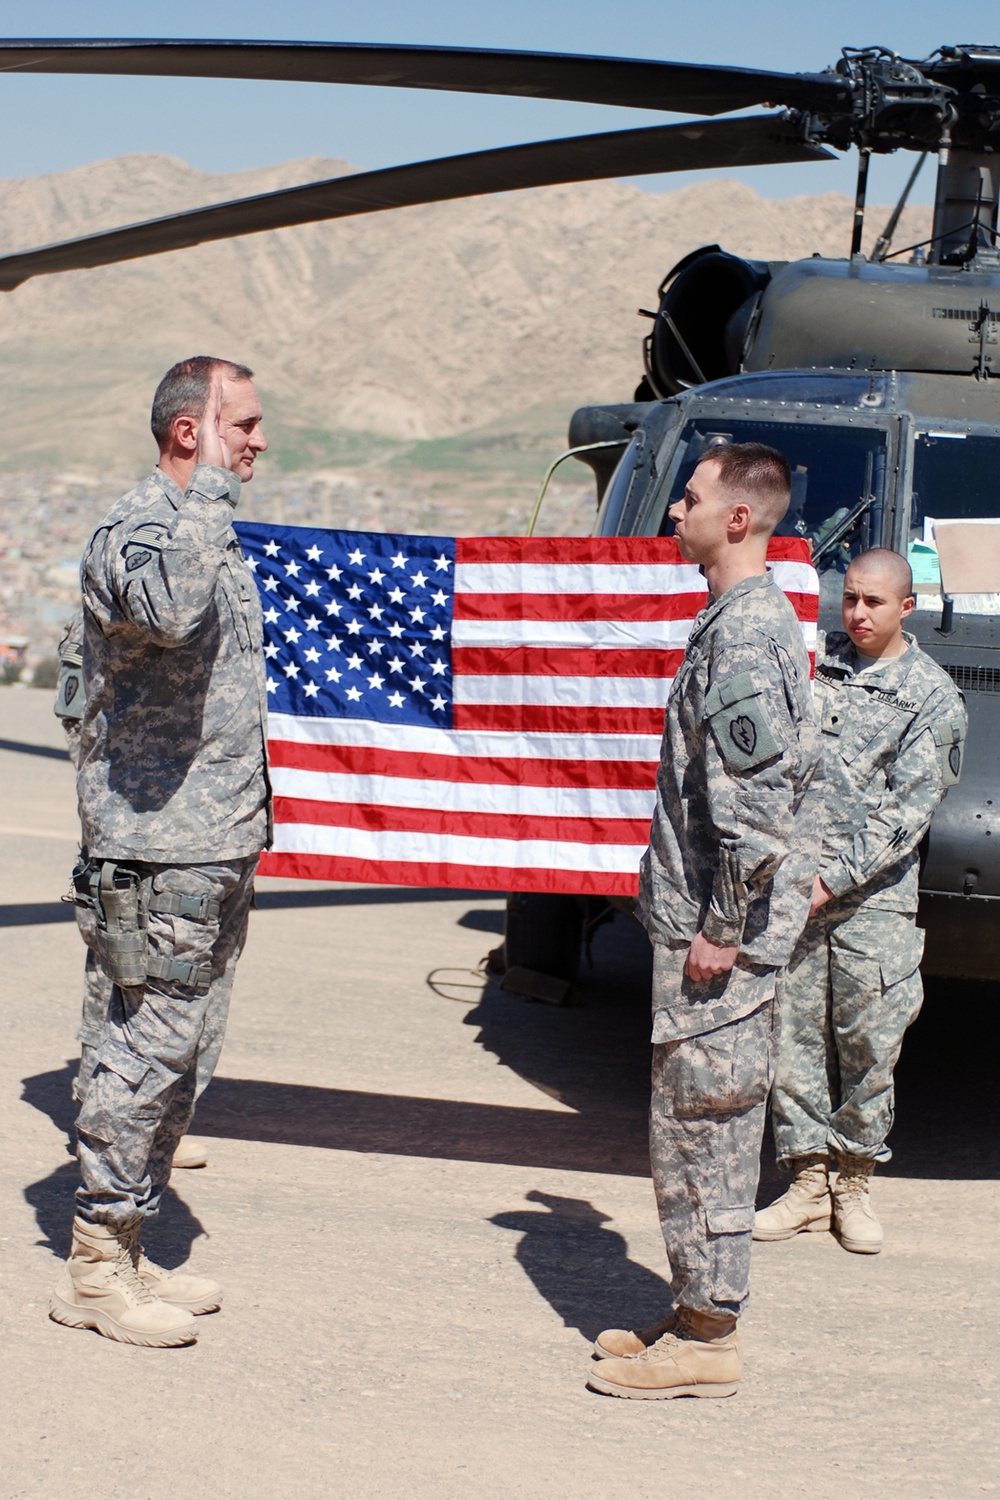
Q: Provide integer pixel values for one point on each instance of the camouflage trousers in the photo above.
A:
(850, 991)
(97, 987)
(706, 1123)
(158, 1042)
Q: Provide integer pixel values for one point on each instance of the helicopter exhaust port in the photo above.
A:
(707, 306)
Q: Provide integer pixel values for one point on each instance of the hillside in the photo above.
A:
(418, 369)
(503, 312)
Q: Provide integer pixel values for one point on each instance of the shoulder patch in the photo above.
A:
(949, 736)
(738, 721)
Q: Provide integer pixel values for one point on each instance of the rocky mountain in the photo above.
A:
(496, 315)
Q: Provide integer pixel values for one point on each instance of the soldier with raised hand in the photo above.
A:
(725, 889)
(893, 727)
(175, 809)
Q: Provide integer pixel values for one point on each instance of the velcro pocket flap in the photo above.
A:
(741, 730)
(119, 1059)
(729, 1220)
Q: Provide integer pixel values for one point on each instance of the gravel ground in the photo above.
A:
(425, 1197)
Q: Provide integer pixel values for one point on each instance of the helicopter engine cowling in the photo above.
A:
(707, 302)
(863, 315)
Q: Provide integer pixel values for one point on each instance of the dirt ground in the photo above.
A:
(425, 1197)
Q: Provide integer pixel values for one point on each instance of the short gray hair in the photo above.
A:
(183, 391)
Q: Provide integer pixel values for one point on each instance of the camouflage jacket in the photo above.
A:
(892, 738)
(734, 844)
(173, 761)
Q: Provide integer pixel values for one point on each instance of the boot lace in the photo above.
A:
(124, 1272)
(667, 1342)
(852, 1183)
(141, 1261)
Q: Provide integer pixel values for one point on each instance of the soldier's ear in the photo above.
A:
(740, 518)
(909, 605)
(184, 432)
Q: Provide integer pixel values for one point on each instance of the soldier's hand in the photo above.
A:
(821, 894)
(212, 447)
(706, 960)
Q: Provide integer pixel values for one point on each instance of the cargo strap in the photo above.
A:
(176, 971)
(198, 908)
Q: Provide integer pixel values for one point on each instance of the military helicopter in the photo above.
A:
(877, 377)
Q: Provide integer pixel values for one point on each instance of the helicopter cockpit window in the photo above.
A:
(956, 477)
(838, 483)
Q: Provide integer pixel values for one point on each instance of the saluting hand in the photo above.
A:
(211, 445)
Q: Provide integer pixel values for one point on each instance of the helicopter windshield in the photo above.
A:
(955, 478)
(838, 482)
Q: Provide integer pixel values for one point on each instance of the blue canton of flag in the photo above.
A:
(356, 624)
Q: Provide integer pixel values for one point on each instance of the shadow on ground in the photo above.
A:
(594, 1059)
(581, 1268)
(52, 1198)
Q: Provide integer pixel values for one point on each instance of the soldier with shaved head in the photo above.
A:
(893, 727)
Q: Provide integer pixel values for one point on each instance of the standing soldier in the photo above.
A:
(893, 729)
(724, 893)
(69, 707)
(174, 803)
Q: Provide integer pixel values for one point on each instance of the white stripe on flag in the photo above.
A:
(449, 796)
(795, 577)
(455, 849)
(571, 692)
(489, 744)
(602, 634)
(578, 578)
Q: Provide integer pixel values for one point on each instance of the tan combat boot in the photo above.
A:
(804, 1206)
(189, 1154)
(181, 1288)
(853, 1216)
(700, 1357)
(626, 1343)
(99, 1289)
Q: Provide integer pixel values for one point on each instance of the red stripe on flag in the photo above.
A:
(449, 876)
(568, 549)
(482, 770)
(601, 549)
(578, 606)
(564, 661)
(806, 606)
(545, 718)
(436, 820)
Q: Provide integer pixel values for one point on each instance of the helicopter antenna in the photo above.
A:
(884, 240)
(864, 160)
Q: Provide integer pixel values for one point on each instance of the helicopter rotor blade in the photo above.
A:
(694, 88)
(751, 141)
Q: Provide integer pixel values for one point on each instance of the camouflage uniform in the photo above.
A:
(173, 784)
(96, 983)
(732, 854)
(892, 739)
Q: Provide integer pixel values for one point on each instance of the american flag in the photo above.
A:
(475, 712)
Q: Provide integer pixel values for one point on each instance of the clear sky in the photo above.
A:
(49, 124)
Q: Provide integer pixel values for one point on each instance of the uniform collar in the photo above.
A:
(842, 659)
(170, 488)
(737, 591)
